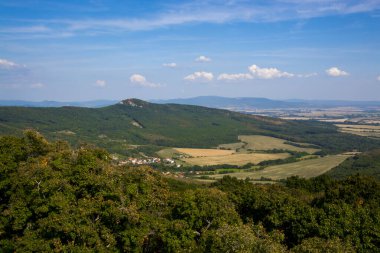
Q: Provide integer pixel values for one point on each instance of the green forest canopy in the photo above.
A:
(54, 198)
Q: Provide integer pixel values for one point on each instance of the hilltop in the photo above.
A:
(137, 122)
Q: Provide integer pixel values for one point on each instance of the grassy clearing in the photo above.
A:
(306, 169)
(234, 159)
(260, 142)
(199, 152)
(168, 153)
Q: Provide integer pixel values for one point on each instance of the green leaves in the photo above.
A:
(57, 199)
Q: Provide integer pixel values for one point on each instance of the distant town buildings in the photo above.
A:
(147, 160)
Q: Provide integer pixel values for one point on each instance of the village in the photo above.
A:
(145, 161)
(156, 160)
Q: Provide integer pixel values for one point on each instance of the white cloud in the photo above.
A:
(235, 77)
(100, 83)
(268, 73)
(170, 65)
(190, 12)
(307, 75)
(37, 85)
(203, 58)
(378, 78)
(25, 29)
(229, 11)
(136, 78)
(8, 64)
(335, 72)
(140, 80)
(201, 76)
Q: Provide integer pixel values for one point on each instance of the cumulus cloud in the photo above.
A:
(37, 85)
(170, 65)
(6, 64)
(336, 72)
(140, 80)
(200, 76)
(268, 73)
(235, 77)
(203, 58)
(100, 83)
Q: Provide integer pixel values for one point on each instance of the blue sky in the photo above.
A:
(103, 49)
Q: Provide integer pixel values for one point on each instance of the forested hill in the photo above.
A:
(134, 121)
(367, 163)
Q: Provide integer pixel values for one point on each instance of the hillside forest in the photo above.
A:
(57, 199)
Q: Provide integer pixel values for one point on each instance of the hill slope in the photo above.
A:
(134, 121)
(367, 163)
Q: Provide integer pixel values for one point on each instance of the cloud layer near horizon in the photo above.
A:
(200, 76)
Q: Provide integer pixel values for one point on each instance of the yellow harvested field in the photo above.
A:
(200, 152)
(295, 118)
(260, 142)
(306, 168)
(234, 159)
(334, 120)
(369, 127)
(362, 130)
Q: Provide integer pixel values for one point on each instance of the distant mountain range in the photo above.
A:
(264, 103)
(90, 104)
(238, 104)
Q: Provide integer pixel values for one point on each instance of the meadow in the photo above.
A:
(306, 169)
(201, 152)
(251, 149)
(234, 159)
(260, 142)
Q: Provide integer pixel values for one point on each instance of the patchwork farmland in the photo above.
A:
(306, 168)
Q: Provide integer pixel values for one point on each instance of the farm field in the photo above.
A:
(250, 149)
(362, 130)
(195, 152)
(260, 142)
(306, 168)
(234, 159)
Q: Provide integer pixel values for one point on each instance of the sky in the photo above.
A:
(105, 49)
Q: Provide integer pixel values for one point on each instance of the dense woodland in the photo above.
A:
(54, 198)
(367, 163)
(154, 126)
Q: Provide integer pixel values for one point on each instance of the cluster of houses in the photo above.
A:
(148, 160)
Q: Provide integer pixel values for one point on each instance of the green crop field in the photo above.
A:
(307, 169)
(260, 142)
